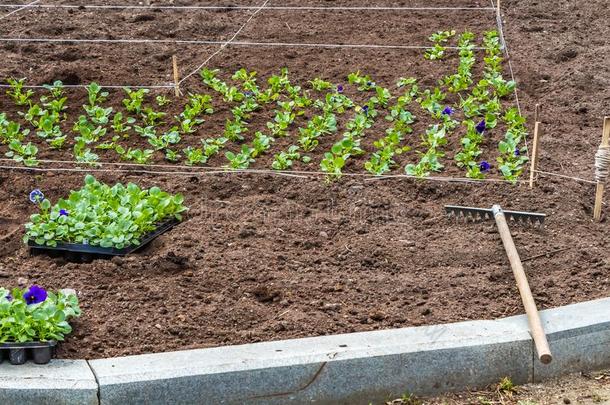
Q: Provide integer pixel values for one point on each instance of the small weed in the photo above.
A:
(506, 386)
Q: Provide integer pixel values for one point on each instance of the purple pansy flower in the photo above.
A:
(9, 297)
(370, 84)
(484, 166)
(63, 213)
(481, 126)
(339, 89)
(365, 109)
(35, 295)
(447, 111)
(248, 94)
(36, 196)
(517, 152)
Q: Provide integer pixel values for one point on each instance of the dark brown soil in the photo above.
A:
(263, 257)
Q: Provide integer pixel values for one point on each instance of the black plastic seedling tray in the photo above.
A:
(78, 252)
(18, 353)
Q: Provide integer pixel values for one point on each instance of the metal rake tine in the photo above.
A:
(531, 218)
(473, 214)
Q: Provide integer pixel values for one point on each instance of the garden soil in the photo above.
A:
(264, 257)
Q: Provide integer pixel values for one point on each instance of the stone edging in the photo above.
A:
(350, 368)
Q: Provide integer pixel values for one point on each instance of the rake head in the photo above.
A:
(481, 214)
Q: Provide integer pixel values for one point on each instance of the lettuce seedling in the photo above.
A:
(134, 100)
(197, 105)
(152, 118)
(21, 153)
(95, 95)
(162, 100)
(10, 130)
(260, 144)
(248, 80)
(16, 92)
(242, 159)
(56, 89)
(437, 51)
(141, 156)
(120, 126)
(321, 85)
(364, 83)
(285, 160)
(172, 155)
(234, 130)
(83, 154)
(194, 156)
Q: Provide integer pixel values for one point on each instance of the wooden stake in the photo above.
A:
(537, 113)
(498, 6)
(599, 192)
(534, 157)
(176, 76)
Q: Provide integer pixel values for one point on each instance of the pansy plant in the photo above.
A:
(35, 315)
(102, 215)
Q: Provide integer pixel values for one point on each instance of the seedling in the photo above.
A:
(21, 153)
(36, 315)
(162, 101)
(285, 160)
(17, 93)
(135, 98)
(126, 212)
(437, 51)
(242, 159)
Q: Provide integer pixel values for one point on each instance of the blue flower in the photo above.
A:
(365, 109)
(481, 126)
(484, 166)
(339, 89)
(63, 213)
(35, 295)
(517, 152)
(36, 196)
(248, 94)
(370, 84)
(447, 111)
(9, 297)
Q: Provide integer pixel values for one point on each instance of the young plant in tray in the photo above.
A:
(35, 315)
(101, 215)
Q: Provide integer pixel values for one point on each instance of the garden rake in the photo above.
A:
(501, 216)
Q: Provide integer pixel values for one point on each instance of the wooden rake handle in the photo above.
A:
(533, 318)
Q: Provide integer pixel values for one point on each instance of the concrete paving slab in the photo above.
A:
(350, 368)
(57, 383)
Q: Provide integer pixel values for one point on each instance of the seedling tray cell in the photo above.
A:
(79, 252)
(19, 353)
